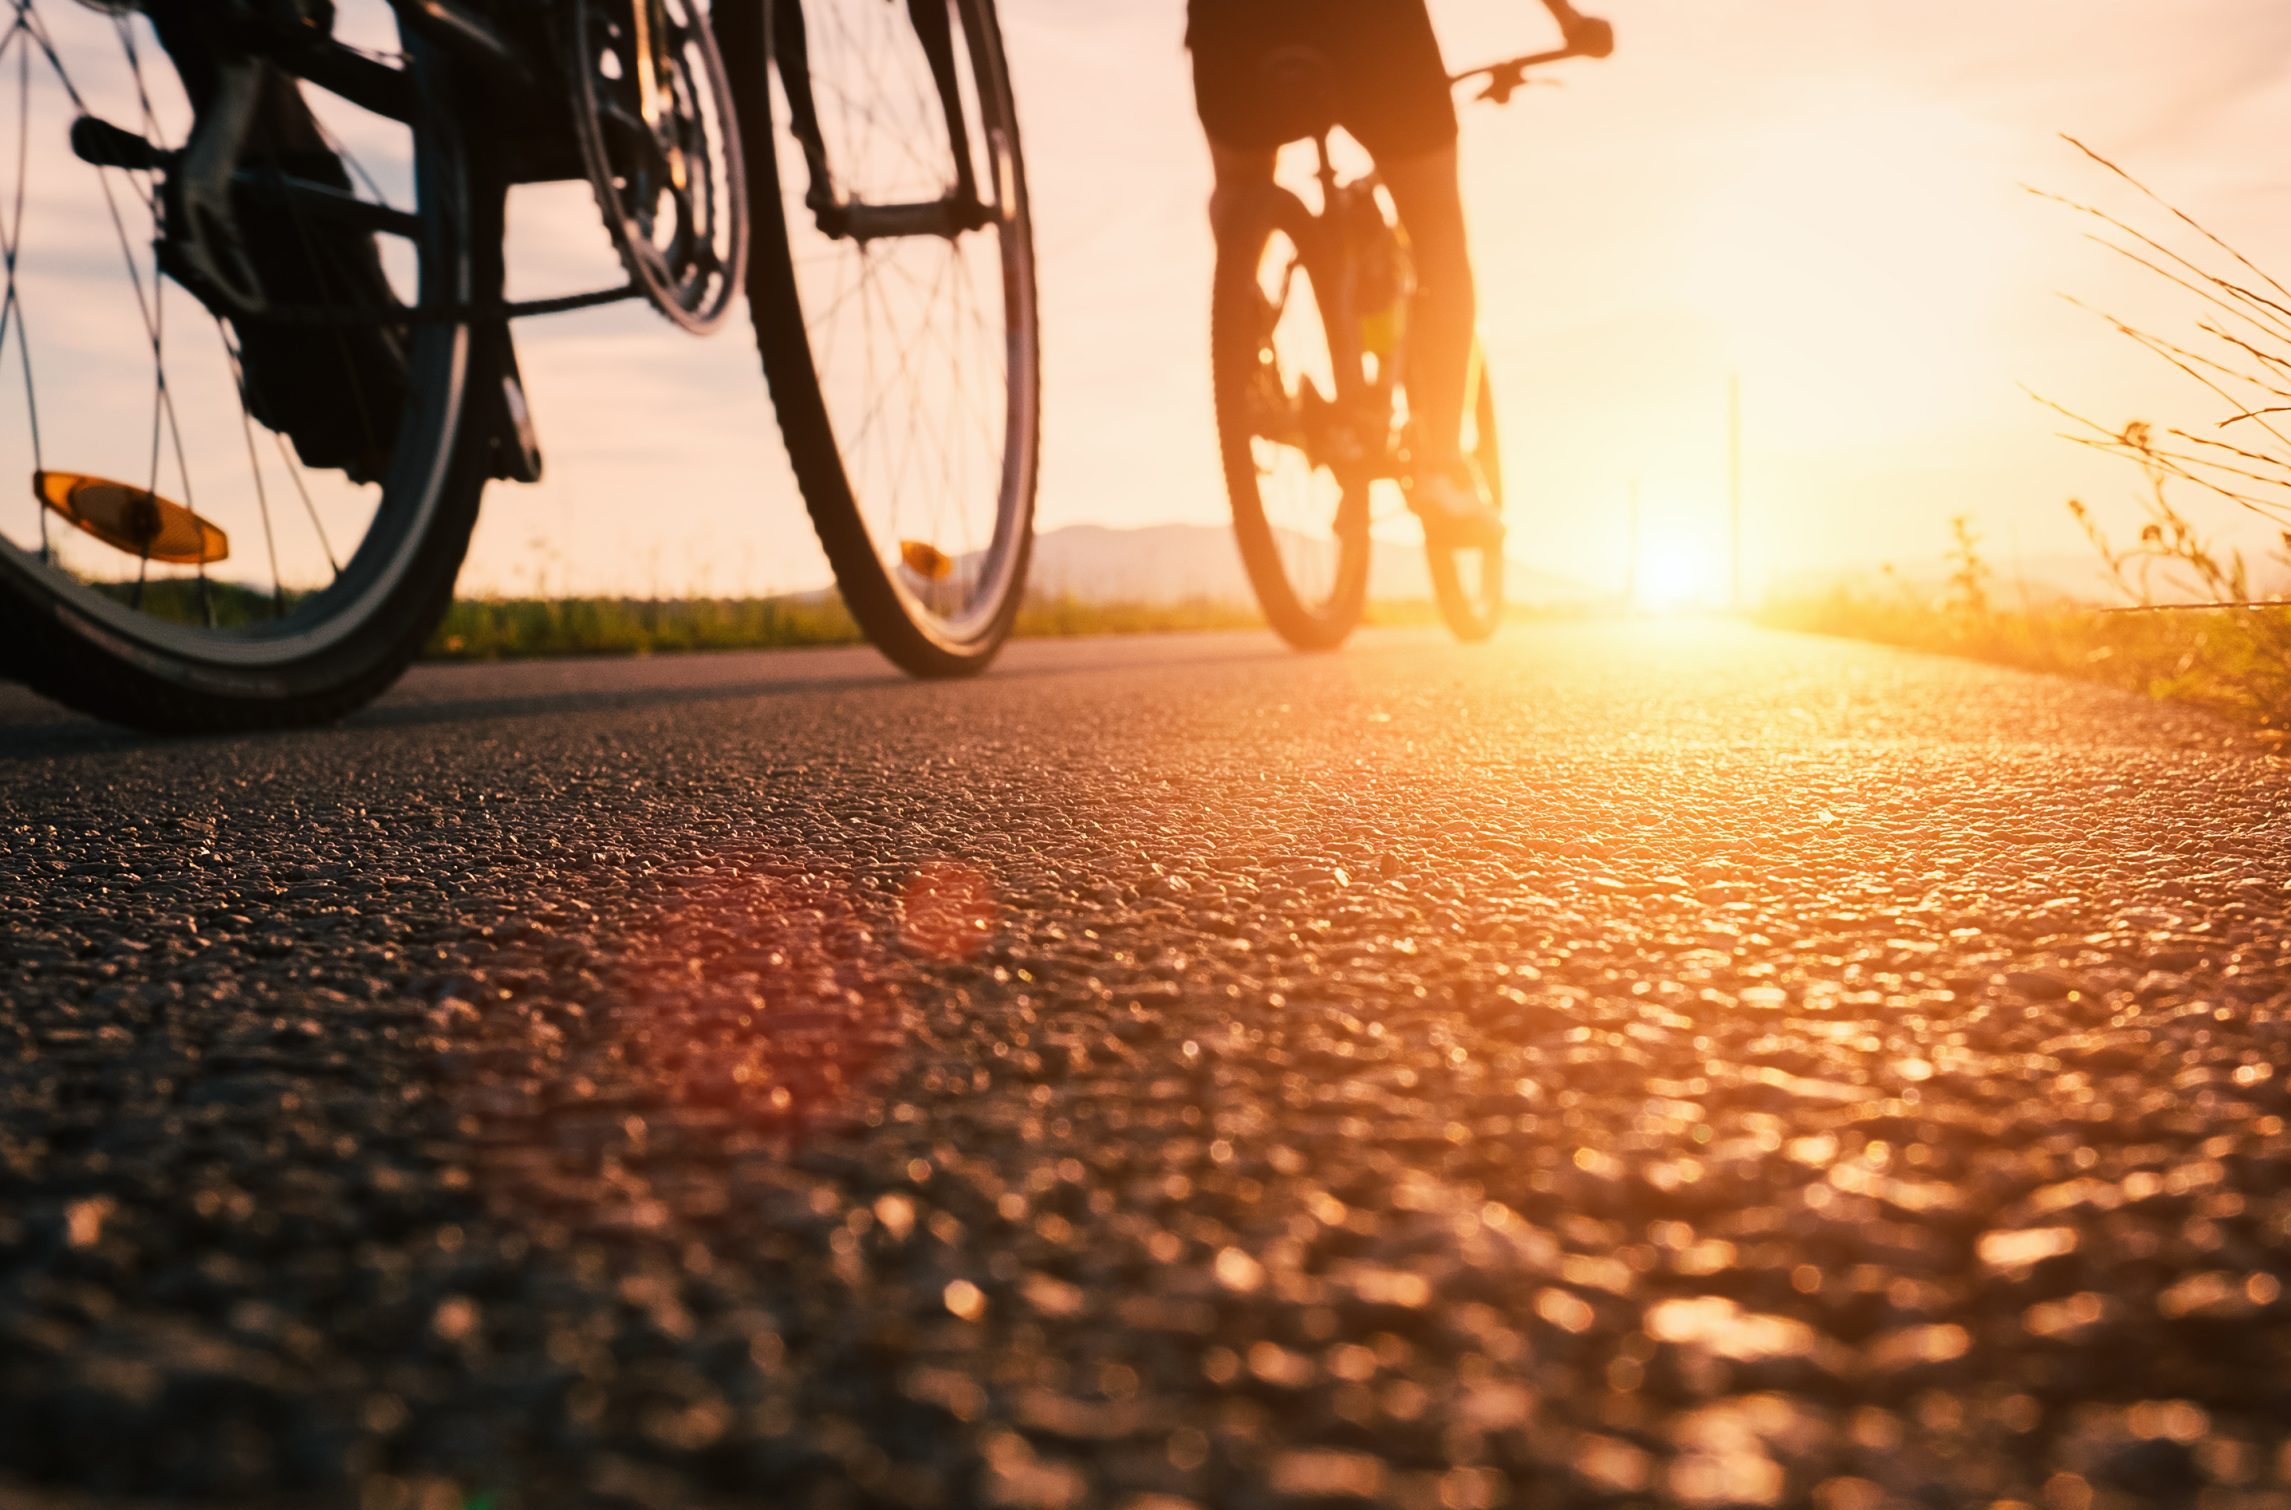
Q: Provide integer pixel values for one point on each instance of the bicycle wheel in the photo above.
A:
(1468, 582)
(1300, 503)
(234, 522)
(892, 285)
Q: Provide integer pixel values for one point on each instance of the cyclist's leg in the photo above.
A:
(1244, 176)
(1444, 314)
(1229, 46)
(1398, 103)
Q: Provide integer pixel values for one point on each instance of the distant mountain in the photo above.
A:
(1172, 563)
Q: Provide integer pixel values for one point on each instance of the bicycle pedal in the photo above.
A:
(101, 144)
(926, 560)
(131, 519)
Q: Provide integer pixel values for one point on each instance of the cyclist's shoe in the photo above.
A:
(1270, 409)
(335, 390)
(1455, 509)
(1272, 412)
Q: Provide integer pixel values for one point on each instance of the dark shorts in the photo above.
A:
(1383, 80)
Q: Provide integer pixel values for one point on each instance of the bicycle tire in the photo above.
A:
(67, 658)
(343, 643)
(1474, 616)
(868, 559)
(1236, 339)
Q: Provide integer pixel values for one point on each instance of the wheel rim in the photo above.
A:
(146, 386)
(922, 345)
(1300, 498)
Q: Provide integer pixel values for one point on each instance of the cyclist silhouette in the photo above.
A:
(1267, 72)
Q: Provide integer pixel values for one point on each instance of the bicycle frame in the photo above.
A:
(1370, 444)
(1367, 407)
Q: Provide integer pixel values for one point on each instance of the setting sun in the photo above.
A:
(1679, 573)
(1264, 795)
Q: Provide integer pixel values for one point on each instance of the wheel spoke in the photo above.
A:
(302, 491)
(910, 346)
(11, 308)
(150, 307)
(210, 408)
(255, 469)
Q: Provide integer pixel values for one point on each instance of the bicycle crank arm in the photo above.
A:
(463, 30)
(101, 144)
(203, 240)
(857, 220)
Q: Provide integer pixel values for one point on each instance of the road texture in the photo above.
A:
(1668, 1064)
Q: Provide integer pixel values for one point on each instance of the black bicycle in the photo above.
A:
(255, 351)
(1309, 353)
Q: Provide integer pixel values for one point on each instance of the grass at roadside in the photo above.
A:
(500, 628)
(512, 628)
(2230, 660)
(494, 628)
(2205, 622)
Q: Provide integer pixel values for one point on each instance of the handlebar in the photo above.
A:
(1593, 39)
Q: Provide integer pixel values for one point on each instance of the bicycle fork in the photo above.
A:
(840, 216)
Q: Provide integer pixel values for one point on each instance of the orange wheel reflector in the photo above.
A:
(133, 519)
(926, 561)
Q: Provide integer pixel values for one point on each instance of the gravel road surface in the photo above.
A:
(1669, 1064)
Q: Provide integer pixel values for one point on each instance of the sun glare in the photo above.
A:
(1679, 575)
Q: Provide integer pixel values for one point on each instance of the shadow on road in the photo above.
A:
(437, 696)
(63, 735)
(434, 712)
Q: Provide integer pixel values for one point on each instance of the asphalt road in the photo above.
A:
(1672, 1064)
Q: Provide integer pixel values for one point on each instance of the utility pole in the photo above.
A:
(1734, 489)
(1631, 559)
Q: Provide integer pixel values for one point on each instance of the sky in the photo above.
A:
(1822, 197)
